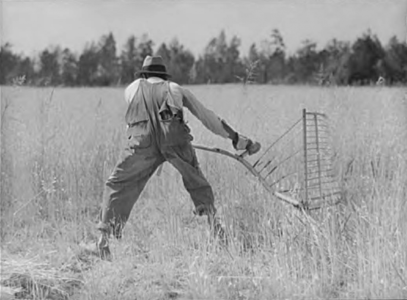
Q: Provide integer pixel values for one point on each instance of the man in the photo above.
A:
(157, 133)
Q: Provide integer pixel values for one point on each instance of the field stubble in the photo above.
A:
(59, 145)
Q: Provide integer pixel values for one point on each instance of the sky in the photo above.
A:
(32, 25)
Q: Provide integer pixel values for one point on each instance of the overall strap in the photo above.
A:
(152, 111)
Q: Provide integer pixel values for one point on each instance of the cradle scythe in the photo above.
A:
(297, 167)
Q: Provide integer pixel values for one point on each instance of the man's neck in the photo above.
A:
(154, 79)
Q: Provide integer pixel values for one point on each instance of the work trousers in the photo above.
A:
(133, 171)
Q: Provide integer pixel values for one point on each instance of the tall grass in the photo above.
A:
(6, 160)
(63, 143)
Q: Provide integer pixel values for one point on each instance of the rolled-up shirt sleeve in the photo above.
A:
(131, 90)
(208, 118)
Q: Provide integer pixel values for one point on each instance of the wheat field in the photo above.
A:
(59, 145)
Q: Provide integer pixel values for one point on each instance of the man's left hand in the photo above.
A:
(243, 143)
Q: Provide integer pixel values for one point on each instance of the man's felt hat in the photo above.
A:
(153, 65)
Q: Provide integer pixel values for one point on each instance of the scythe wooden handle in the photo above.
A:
(240, 158)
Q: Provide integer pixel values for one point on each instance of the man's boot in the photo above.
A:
(217, 228)
(103, 247)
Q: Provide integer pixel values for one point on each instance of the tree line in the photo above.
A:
(365, 61)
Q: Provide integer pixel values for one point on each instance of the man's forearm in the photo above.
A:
(233, 135)
(208, 118)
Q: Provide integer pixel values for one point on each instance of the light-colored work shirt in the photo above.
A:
(184, 98)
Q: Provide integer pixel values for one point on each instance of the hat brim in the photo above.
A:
(152, 72)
